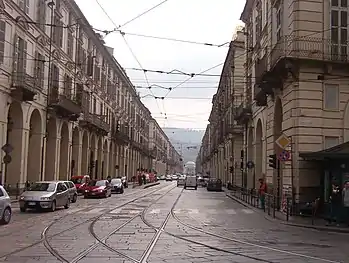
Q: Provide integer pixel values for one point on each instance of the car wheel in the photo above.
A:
(109, 194)
(53, 206)
(185, 187)
(67, 205)
(6, 217)
(122, 191)
(75, 198)
(196, 188)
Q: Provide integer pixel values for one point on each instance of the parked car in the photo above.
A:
(181, 181)
(191, 181)
(214, 185)
(45, 195)
(80, 182)
(5, 207)
(174, 177)
(162, 177)
(168, 178)
(101, 188)
(73, 192)
(117, 186)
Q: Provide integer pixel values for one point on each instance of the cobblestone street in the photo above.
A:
(163, 223)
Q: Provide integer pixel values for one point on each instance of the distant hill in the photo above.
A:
(186, 141)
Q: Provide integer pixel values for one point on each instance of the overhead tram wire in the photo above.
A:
(202, 72)
(131, 51)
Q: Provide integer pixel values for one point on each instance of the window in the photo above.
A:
(41, 14)
(24, 5)
(57, 34)
(331, 141)
(278, 23)
(20, 55)
(339, 29)
(331, 97)
(1, 193)
(68, 86)
(39, 69)
(70, 43)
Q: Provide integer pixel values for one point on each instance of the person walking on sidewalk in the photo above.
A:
(262, 191)
(345, 194)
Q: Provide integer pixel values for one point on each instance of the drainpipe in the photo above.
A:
(43, 147)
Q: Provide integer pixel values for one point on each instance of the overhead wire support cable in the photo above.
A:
(131, 51)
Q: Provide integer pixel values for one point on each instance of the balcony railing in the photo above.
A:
(65, 106)
(309, 48)
(243, 113)
(23, 86)
(95, 123)
(120, 136)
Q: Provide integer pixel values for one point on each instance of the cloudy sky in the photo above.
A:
(200, 21)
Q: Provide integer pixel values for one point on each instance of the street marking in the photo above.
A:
(247, 211)
(193, 211)
(155, 211)
(178, 211)
(95, 211)
(230, 211)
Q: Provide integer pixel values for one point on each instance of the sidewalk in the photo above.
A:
(296, 221)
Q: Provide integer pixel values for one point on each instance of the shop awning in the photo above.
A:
(340, 151)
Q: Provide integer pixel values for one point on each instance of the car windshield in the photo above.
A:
(77, 180)
(44, 187)
(116, 181)
(101, 183)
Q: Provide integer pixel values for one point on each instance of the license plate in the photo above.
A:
(31, 203)
(93, 193)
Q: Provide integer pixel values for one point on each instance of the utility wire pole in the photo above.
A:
(49, 79)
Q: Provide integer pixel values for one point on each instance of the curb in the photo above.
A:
(269, 218)
(150, 185)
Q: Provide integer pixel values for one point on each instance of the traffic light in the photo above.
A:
(231, 169)
(272, 161)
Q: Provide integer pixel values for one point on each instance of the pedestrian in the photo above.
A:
(262, 191)
(335, 204)
(345, 194)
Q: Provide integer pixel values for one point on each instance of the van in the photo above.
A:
(191, 181)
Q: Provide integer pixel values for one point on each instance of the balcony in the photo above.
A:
(120, 136)
(95, 123)
(292, 48)
(243, 114)
(23, 86)
(235, 130)
(64, 106)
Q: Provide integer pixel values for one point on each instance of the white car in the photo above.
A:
(5, 207)
(191, 181)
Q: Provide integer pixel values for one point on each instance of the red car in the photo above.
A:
(101, 188)
(80, 182)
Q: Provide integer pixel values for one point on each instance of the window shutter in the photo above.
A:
(25, 50)
(37, 66)
(15, 53)
(2, 40)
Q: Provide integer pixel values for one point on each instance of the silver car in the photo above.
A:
(45, 195)
(5, 207)
(73, 192)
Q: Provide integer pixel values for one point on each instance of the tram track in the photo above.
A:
(242, 242)
(45, 236)
(102, 240)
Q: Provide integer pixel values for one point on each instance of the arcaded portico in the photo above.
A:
(66, 150)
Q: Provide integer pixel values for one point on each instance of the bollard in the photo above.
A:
(269, 205)
(287, 209)
(274, 206)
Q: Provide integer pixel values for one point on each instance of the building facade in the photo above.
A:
(222, 144)
(166, 159)
(68, 106)
(296, 71)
